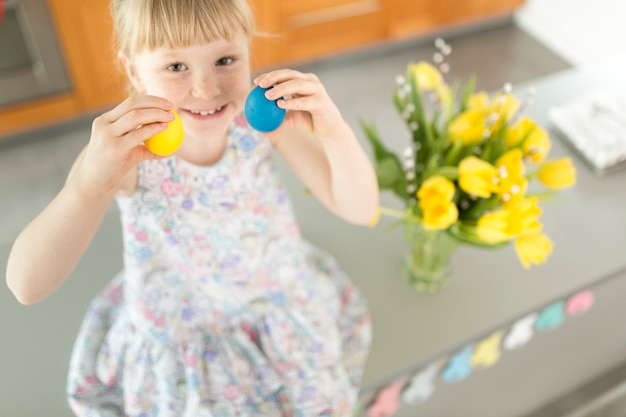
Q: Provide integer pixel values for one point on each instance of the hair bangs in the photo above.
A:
(181, 23)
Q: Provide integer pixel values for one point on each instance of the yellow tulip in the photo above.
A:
(505, 105)
(512, 189)
(438, 213)
(558, 173)
(537, 145)
(479, 102)
(533, 249)
(492, 227)
(477, 177)
(511, 182)
(435, 199)
(523, 217)
(511, 164)
(426, 76)
(468, 127)
(502, 107)
(436, 187)
(519, 131)
(513, 220)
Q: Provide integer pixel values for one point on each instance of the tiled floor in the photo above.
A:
(33, 168)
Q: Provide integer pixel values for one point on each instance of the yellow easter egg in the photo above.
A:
(169, 140)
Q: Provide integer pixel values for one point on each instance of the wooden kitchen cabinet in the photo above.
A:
(408, 18)
(296, 30)
(291, 31)
(84, 33)
(86, 37)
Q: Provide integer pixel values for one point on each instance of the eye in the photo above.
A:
(227, 60)
(177, 67)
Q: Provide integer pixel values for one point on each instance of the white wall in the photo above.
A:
(581, 31)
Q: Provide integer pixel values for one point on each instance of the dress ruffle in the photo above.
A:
(267, 361)
(222, 309)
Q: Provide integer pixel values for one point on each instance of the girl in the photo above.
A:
(222, 308)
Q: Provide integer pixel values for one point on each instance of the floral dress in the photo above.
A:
(222, 308)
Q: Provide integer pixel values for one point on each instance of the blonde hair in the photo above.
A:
(151, 24)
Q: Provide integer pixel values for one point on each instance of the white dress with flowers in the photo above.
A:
(222, 308)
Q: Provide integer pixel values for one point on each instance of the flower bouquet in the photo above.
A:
(464, 177)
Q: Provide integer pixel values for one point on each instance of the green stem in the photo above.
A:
(392, 212)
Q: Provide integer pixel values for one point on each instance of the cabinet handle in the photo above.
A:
(334, 13)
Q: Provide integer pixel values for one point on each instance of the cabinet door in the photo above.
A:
(84, 30)
(473, 9)
(414, 17)
(266, 46)
(299, 30)
(86, 36)
(411, 17)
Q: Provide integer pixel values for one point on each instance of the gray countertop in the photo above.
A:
(489, 289)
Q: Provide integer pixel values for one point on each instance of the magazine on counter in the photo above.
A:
(594, 124)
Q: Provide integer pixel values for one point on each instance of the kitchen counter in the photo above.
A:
(490, 290)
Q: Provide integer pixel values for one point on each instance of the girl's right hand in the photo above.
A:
(116, 143)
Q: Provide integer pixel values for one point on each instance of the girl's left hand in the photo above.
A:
(335, 168)
(304, 97)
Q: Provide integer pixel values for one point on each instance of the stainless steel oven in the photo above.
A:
(31, 62)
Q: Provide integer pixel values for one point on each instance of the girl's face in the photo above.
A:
(208, 85)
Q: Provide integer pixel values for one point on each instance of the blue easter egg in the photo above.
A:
(262, 114)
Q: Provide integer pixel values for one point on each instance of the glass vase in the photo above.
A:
(427, 263)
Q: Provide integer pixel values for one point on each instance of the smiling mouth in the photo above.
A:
(206, 112)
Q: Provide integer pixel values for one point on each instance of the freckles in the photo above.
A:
(173, 91)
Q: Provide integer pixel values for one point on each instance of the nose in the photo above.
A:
(205, 86)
